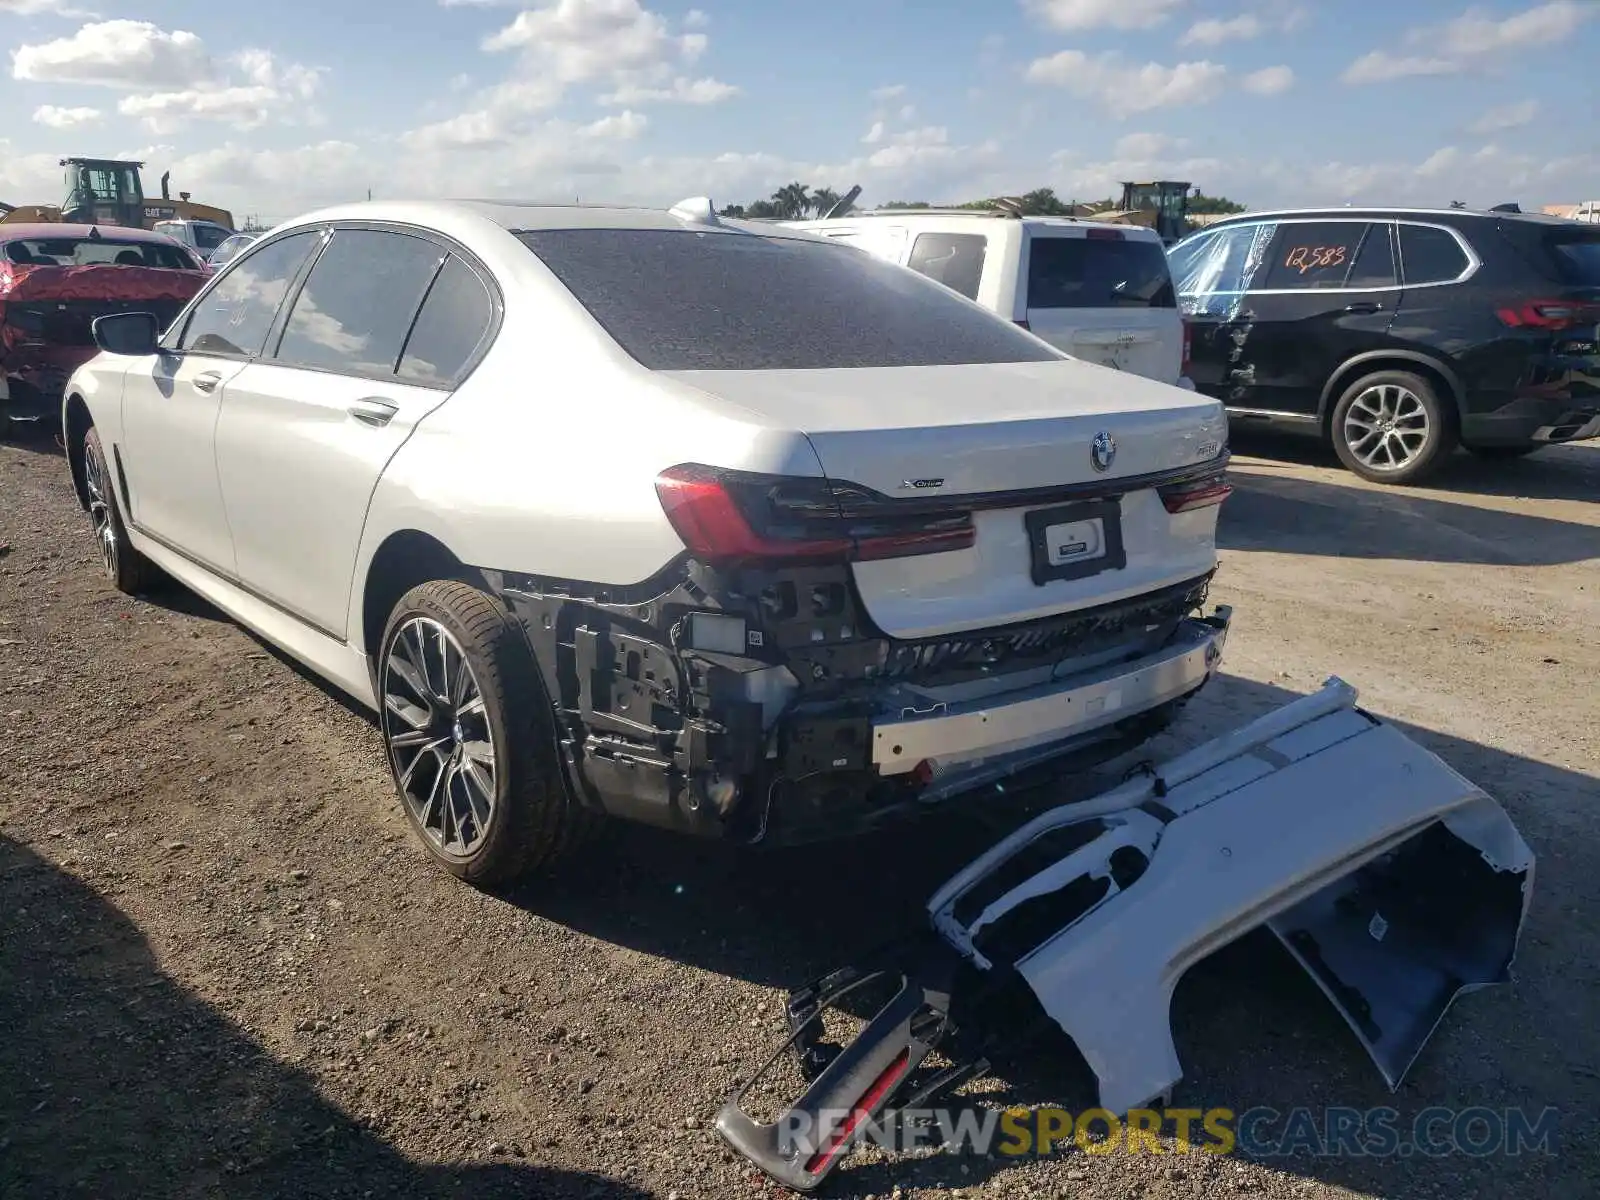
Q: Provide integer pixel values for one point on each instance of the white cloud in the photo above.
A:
(1380, 67)
(262, 69)
(1073, 15)
(166, 112)
(1474, 33)
(695, 19)
(874, 135)
(1213, 31)
(1122, 87)
(1471, 40)
(1439, 162)
(891, 92)
(65, 118)
(681, 91)
(1144, 145)
(1269, 81)
(1509, 116)
(122, 54)
(581, 40)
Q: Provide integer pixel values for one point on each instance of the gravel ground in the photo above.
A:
(226, 970)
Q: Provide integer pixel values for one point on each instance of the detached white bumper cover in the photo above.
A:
(1394, 881)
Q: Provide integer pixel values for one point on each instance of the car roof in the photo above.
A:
(988, 219)
(1384, 211)
(517, 216)
(58, 229)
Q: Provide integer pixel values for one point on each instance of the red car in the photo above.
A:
(55, 280)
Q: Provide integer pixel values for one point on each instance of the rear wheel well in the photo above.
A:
(76, 429)
(406, 558)
(1350, 372)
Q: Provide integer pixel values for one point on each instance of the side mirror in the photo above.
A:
(134, 333)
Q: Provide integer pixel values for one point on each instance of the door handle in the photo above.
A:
(1364, 306)
(373, 411)
(207, 381)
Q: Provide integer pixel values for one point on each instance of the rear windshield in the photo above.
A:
(1577, 258)
(84, 252)
(681, 300)
(1098, 272)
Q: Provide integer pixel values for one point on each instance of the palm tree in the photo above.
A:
(822, 200)
(791, 200)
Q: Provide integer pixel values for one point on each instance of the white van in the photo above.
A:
(1100, 292)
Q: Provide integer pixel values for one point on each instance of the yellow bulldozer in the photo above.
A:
(1162, 206)
(110, 191)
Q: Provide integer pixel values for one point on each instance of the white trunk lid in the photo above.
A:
(973, 431)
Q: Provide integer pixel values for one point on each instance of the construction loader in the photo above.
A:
(110, 191)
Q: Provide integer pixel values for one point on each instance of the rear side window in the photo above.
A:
(953, 259)
(1578, 260)
(235, 316)
(1374, 264)
(681, 300)
(209, 237)
(1098, 272)
(454, 321)
(358, 303)
(1430, 255)
(1313, 254)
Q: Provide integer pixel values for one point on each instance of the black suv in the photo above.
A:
(1399, 333)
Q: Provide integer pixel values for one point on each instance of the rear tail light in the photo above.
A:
(1105, 235)
(728, 516)
(1196, 493)
(1548, 314)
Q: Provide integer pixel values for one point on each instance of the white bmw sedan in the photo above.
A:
(707, 524)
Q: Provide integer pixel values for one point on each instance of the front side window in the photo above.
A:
(358, 303)
(1313, 254)
(682, 300)
(454, 321)
(953, 259)
(1103, 269)
(236, 314)
(1213, 274)
(1429, 254)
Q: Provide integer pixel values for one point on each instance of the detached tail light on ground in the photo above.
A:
(727, 516)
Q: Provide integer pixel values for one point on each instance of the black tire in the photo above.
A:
(532, 824)
(1505, 453)
(127, 569)
(1409, 395)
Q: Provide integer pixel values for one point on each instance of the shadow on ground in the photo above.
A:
(1553, 473)
(1252, 1030)
(116, 1082)
(1295, 515)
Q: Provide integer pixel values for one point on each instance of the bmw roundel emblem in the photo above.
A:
(1103, 451)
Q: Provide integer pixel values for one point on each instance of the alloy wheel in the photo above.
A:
(105, 528)
(440, 742)
(1387, 427)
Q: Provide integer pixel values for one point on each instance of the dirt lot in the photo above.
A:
(225, 970)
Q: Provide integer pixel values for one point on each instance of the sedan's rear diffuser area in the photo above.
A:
(1394, 881)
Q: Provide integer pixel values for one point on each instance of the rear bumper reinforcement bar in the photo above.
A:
(1055, 711)
(1396, 883)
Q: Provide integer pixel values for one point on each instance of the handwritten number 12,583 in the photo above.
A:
(1313, 258)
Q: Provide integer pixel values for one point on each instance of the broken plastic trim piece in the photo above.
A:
(1394, 881)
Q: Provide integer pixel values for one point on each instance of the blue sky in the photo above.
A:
(270, 109)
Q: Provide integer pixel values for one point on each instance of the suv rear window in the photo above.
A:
(1576, 257)
(679, 300)
(1098, 272)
